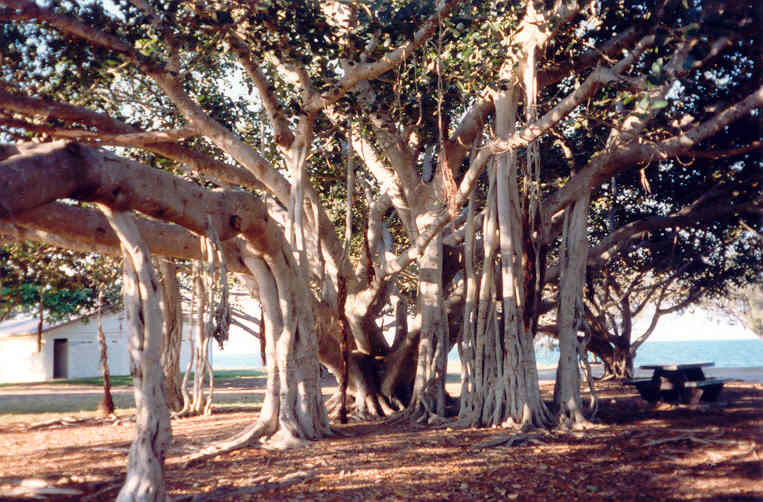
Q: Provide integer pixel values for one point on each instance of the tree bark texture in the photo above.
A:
(519, 401)
(294, 408)
(141, 290)
(172, 333)
(428, 398)
(573, 260)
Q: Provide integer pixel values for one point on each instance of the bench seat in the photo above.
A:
(689, 392)
(705, 390)
(637, 381)
(708, 382)
(647, 387)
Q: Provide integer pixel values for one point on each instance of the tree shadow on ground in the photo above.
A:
(634, 452)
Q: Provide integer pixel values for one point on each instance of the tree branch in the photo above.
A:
(27, 9)
(369, 71)
(112, 128)
(607, 163)
(46, 172)
(136, 139)
(281, 131)
(86, 230)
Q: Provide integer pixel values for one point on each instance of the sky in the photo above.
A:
(698, 325)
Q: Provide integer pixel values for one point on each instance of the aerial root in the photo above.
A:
(689, 435)
(510, 440)
(57, 423)
(244, 438)
(376, 407)
(284, 439)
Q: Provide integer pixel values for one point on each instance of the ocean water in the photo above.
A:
(724, 353)
(235, 360)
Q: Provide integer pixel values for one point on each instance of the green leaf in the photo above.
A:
(659, 104)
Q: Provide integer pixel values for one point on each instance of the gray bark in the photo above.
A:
(429, 386)
(573, 265)
(519, 401)
(145, 463)
(172, 334)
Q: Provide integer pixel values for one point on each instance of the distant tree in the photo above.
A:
(56, 283)
(744, 305)
(682, 232)
(752, 313)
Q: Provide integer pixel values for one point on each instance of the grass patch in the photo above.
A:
(49, 402)
(229, 374)
(116, 381)
(66, 404)
(222, 376)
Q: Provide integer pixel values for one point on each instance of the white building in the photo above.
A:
(69, 349)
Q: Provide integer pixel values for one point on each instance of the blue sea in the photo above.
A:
(725, 354)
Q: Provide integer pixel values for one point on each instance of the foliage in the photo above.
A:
(65, 281)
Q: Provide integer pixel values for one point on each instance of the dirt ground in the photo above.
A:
(634, 452)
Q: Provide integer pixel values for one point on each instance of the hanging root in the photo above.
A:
(582, 348)
(594, 403)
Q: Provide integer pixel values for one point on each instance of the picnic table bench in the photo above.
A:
(678, 383)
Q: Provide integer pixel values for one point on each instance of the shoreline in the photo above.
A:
(548, 373)
(752, 374)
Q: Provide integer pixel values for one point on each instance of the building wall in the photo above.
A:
(84, 353)
(20, 361)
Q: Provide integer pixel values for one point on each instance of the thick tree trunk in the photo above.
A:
(172, 333)
(505, 387)
(145, 464)
(293, 409)
(428, 399)
(520, 401)
(297, 410)
(617, 359)
(477, 406)
(572, 262)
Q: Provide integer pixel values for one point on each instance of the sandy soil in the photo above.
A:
(633, 452)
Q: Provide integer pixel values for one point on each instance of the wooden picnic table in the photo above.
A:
(678, 383)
